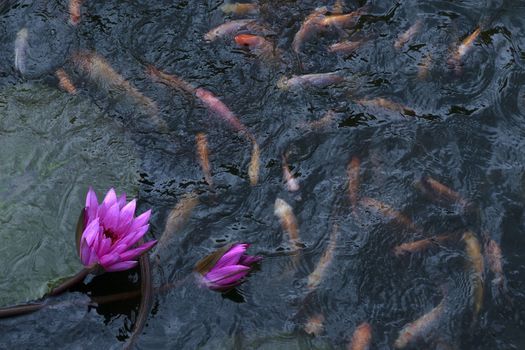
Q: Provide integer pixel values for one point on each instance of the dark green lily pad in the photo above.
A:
(54, 146)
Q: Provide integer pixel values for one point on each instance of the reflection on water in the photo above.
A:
(415, 100)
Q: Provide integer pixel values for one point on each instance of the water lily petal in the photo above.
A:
(134, 237)
(126, 216)
(122, 200)
(248, 260)
(140, 220)
(105, 246)
(121, 266)
(91, 205)
(133, 253)
(232, 256)
(227, 275)
(85, 252)
(110, 221)
(90, 233)
(109, 259)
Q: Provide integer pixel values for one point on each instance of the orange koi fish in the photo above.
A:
(310, 26)
(240, 9)
(420, 328)
(418, 246)
(315, 278)
(340, 21)
(473, 250)
(441, 192)
(387, 104)
(202, 152)
(257, 44)
(353, 182)
(64, 82)
(403, 38)
(288, 221)
(319, 80)
(361, 338)
(253, 169)
(291, 181)
(74, 11)
(463, 48)
(389, 212)
(228, 28)
(344, 47)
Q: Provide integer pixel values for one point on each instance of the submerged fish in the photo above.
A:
(325, 121)
(438, 191)
(387, 104)
(21, 48)
(228, 28)
(253, 169)
(288, 221)
(340, 21)
(418, 246)
(494, 259)
(315, 278)
(345, 47)
(473, 250)
(202, 152)
(361, 338)
(64, 82)
(314, 325)
(257, 44)
(424, 66)
(240, 9)
(420, 328)
(310, 26)
(353, 182)
(310, 80)
(403, 38)
(466, 45)
(290, 180)
(74, 11)
(389, 212)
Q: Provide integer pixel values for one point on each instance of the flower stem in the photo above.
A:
(79, 277)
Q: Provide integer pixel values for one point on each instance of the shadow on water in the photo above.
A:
(408, 113)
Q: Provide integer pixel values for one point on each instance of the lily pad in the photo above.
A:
(54, 146)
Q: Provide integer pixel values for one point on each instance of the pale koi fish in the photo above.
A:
(290, 180)
(288, 221)
(463, 48)
(340, 21)
(494, 259)
(438, 191)
(177, 218)
(387, 104)
(389, 212)
(253, 169)
(344, 47)
(316, 277)
(228, 28)
(326, 120)
(240, 9)
(314, 325)
(310, 26)
(473, 250)
(257, 44)
(352, 170)
(405, 37)
(424, 66)
(361, 338)
(420, 328)
(101, 73)
(318, 80)
(338, 7)
(169, 80)
(418, 246)
(64, 82)
(202, 152)
(21, 48)
(74, 11)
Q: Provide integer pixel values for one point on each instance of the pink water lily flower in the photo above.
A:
(226, 268)
(111, 232)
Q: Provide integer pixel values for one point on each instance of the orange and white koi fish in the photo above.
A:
(315, 278)
(21, 48)
(74, 11)
(64, 82)
(288, 221)
(177, 218)
(202, 152)
(387, 104)
(290, 180)
(257, 44)
(473, 250)
(344, 47)
(319, 80)
(228, 28)
(361, 338)
(353, 182)
(424, 66)
(253, 169)
(420, 328)
(389, 212)
(101, 73)
(314, 325)
(441, 192)
(240, 9)
(340, 21)
(310, 26)
(405, 37)
(494, 259)
(463, 48)
(418, 246)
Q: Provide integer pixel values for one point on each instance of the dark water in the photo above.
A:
(467, 133)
